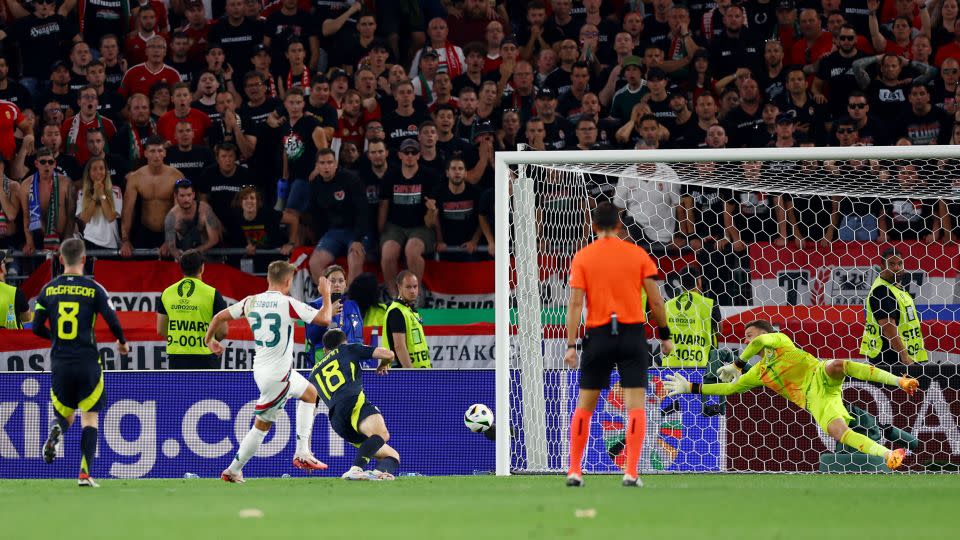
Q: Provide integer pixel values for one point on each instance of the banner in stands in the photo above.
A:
(167, 424)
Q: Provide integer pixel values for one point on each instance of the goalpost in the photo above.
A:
(814, 292)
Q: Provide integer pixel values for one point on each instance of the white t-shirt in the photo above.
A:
(272, 316)
(651, 200)
(98, 230)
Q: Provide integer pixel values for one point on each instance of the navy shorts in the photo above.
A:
(346, 416)
(77, 385)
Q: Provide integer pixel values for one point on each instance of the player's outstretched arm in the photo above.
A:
(676, 384)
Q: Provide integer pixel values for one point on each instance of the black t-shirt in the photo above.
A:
(399, 128)
(909, 219)
(934, 127)
(237, 41)
(837, 72)
(408, 197)
(190, 162)
(104, 17)
(18, 95)
(299, 147)
(554, 32)
(111, 105)
(263, 231)
(754, 216)
(729, 53)
(709, 203)
(325, 114)
(455, 146)
(115, 74)
(280, 28)
(118, 167)
(343, 202)
(772, 87)
(42, 42)
(558, 133)
(740, 126)
(220, 189)
(887, 101)
(655, 32)
(457, 213)
(265, 161)
(558, 80)
(884, 306)
(371, 186)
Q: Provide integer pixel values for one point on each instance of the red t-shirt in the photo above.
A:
(76, 143)
(139, 79)
(10, 117)
(167, 125)
(801, 55)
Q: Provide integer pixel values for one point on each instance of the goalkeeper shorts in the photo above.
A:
(627, 351)
(825, 398)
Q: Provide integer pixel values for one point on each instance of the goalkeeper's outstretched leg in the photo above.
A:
(837, 428)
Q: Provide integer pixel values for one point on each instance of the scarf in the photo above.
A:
(454, 67)
(50, 238)
(304, 80)
(271, 86)
(425, 88)
(75, 132)
(136, 141)
(4, 228)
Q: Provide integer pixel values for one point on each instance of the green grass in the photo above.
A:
(676, 506)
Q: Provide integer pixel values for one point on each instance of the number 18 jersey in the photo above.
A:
(272, 316)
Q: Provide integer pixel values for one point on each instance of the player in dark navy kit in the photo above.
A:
(337, 377)
(71, 303)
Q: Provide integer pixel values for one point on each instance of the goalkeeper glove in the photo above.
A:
(677, 384)
(728, 373)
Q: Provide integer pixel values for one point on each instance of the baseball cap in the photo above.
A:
(259, 48)
(786, 5)
(337, 74)
(59, 64)
(409, 144)
(546, 93)
(429, 51)
(632, 61)
(656, 73)
(509, 39)
(483, 126)
(786, 118)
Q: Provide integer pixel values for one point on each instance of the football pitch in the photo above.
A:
(536, 507)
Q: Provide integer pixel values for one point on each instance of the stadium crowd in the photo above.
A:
(368, 128)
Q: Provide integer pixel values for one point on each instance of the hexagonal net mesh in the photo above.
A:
(799, 242)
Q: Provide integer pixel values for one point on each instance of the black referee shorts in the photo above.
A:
(77, 385)
(627, 351)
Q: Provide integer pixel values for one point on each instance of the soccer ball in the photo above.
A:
(478, 418)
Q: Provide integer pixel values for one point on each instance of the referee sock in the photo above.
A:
(305, 413)
(367, 450)
(61, 421)
(248, 447)
(863, 443)
(88, 448)
(579, 434)
(636, 429)
(388, 465)
(866, 372)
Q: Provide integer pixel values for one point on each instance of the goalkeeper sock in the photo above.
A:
(388, 465)
(579, 433)
(88, 448)
(305, 414)
(636, 429)
(367, 449)
(248, 447)
(863, 443)
(866, 372)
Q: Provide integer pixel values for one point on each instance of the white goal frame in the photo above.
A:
(502, 163)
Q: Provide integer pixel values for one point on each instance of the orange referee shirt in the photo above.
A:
(611, 272)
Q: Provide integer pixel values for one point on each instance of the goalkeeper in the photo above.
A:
(796, 375)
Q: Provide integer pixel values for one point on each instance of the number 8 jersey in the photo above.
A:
(72, 303)
(272, 316)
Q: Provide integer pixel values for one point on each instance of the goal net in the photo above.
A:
(793, 236)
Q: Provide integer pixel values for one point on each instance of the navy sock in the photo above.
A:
(388, 465)
(62, 422)
(367, 449)
(88, 447)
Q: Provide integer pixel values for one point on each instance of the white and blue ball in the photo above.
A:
(478, 418)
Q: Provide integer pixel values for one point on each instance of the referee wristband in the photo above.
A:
(696, 388)
(664, 333)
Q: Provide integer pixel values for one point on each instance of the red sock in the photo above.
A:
(636, 429)
(579, 434)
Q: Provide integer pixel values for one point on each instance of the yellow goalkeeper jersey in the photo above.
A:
(783, 368)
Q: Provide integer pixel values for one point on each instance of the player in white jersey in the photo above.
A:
(272, 316)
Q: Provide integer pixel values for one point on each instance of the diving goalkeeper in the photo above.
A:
(808, 382)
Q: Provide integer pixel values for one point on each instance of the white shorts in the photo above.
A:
(275, 391)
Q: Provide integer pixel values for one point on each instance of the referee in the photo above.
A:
(613, 275)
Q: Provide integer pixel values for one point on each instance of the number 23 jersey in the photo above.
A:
(272, 316)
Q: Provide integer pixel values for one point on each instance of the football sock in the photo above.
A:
(388, 465)
(367, 449)
(61, 421)
(88, 448)
(863, 443)
(305, 414)
(248, 447)
(636, 429)
(579, 433)
(866, 372)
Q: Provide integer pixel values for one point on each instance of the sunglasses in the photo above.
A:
(47, 161)
(847, 38)
(857, 105)
(183, 183)
(410, 153)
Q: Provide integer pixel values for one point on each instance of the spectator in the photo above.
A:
(117, 165)
(656, 25)
(402, 123)
(99, 204)
(46, 200)
(144, 29)
(180, 57)
(887, 92)
(407, 212)
(456, 224)
(347, 317)
(9, 209)
(799, 103)
(943, 22)
(531, 34)
(339, 197)
(571, 102)
(114, 65)
(159, 100)
(546, 65)
(321, 105)
(206, 95)
(153, 186)
(445, 118)
(568, 54)
(658, 99)
(949, 50)
(835, 78)
(42, 35)
(12, 90)
(286, 24)
(254, 227)
(737, 46)
(944, 91)
(494, 43)
(59, 90)
(141, 77)
(606, 127)
(297, 72)
(631, 94)
(190, 224)
(109, 104)
(238, 35)
(430, 156)
(450, 57)
(67, 165)
(921, 123)
(183, 112)
(186, 157)
(227, 127)
(870, 131)
(132, 137)
(650, 197)
(423, 81)
(80, 57)
(696, 132)
(371, 170)
(470, 23)
(218, 185)
(559, 130)
(302, 137)
(813, 42)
